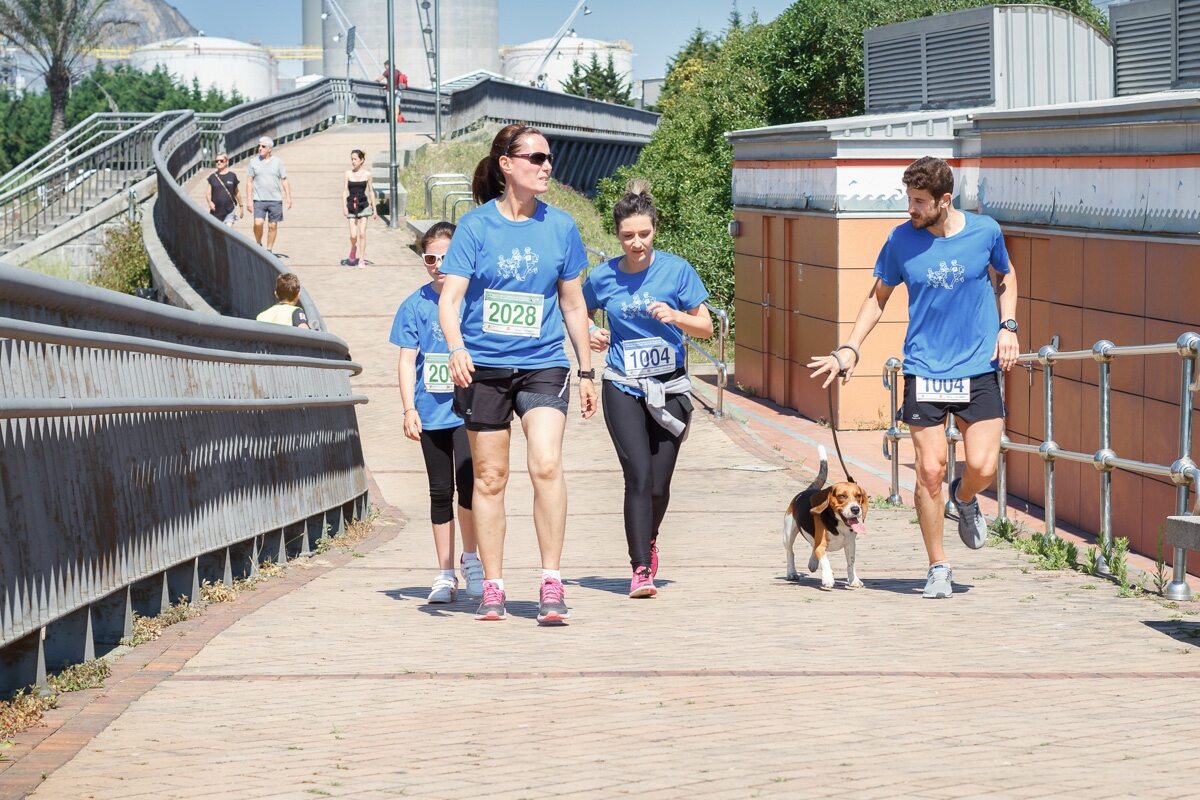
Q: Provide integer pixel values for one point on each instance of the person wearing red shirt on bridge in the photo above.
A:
(401, 83)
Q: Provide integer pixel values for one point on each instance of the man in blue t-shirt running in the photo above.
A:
(957, 341)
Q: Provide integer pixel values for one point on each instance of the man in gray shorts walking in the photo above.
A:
(268, 188)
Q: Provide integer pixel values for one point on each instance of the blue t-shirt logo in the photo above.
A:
(947, 276)
(638, 306)
(520, 266)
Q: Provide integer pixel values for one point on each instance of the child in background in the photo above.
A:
(287, 311)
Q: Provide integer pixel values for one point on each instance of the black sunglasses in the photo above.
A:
(537, 159)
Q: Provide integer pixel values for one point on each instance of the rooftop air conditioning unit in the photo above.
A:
(1157, 45)
(1001, 56)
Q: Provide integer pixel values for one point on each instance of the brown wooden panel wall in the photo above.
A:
(1130, 291)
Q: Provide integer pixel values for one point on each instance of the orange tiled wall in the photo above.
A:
(1130, 291)
(799, 282)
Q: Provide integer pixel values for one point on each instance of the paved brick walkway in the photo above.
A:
(732, 683)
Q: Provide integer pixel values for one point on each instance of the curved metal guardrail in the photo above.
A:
(147, 449)
(1183, 472)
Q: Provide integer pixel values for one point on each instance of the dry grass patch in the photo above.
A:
(147, 629)
(217, 592)
(25, 710)
(357, 530)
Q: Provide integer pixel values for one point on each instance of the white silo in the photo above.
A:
(470, 38)
(520, 62)
(225, 63)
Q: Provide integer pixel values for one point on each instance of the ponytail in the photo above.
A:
(637, 202)
(488, 182)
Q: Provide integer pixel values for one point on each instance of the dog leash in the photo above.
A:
(832, 426)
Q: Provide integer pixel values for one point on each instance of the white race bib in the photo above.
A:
(437, 373)
(943, 390)
(512, 313)
(646, 357)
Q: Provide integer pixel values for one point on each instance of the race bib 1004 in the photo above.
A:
(437, 373)
(943, 390)
(512, 313)
(647, 357)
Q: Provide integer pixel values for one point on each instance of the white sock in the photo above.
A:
(448, 573)
(499, 582)
(552, 573)
(471, 556)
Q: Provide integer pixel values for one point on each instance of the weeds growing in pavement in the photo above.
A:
(1052, 552)
(879, 501)
(26, 708)
(88, 675)
(1160, 565)
(356, 531)
(217, 592)
(147, 629)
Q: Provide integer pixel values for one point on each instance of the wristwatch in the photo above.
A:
(591, 373)
(1009, 325)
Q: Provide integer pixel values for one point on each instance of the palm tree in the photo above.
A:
(57, 34)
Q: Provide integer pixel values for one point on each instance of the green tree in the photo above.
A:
(57, 34)
(598, 82)
(25, 121)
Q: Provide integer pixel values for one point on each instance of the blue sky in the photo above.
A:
(655, 28)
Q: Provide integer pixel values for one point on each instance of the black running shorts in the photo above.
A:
(495, 392)
(985, 403)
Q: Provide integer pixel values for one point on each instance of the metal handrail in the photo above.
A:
(1183, 472)
(441, 179)
(460, 195)
(469, 200)
(92, 129)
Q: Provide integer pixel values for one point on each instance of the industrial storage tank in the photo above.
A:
(225, 63)
(470, 38)
(519, 62)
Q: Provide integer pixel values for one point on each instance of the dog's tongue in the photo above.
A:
(858, 527)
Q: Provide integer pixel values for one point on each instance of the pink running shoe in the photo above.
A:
(642, 584)
(653, 559)
(492, 607)
(553, 605)
(353, 254)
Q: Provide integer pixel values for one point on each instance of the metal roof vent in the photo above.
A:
(1157, 45)
(1002, 56)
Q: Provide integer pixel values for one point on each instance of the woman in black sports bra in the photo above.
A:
(358, 205)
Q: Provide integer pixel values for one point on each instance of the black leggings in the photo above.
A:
(648, 453)
(447, 461)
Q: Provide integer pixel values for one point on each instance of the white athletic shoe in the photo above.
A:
(444, 590)
(472, 573)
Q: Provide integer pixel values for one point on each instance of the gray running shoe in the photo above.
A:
(940, 582)
(972, 527)
(553, 605)
(472, 572)
(444, 590)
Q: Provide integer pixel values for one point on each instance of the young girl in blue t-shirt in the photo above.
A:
(427, 393)
(651, 299)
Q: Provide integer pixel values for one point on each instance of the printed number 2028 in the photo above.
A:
(506, 314)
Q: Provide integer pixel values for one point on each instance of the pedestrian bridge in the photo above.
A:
(148, 449)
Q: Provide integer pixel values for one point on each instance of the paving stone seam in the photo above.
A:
(692, 673)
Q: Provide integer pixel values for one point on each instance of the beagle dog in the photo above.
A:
(830, 519)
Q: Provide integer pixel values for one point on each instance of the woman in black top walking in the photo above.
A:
(224, 202)
(358, 201)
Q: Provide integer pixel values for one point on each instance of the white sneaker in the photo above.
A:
(444, 590)
(472, 573)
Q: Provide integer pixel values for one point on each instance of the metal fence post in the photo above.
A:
(891, 377)
(1101, 353)
(1049, 447)
(953, 436)
(1188, 345)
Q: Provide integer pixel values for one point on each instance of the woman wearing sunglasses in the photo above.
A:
(427, 393)
(651, 299)
(512, 272)
(224, 203)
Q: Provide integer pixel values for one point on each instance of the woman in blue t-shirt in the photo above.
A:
(427, 393)
(512, 278)
(651, 299)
